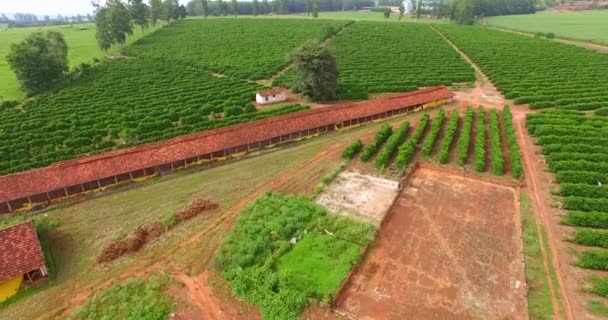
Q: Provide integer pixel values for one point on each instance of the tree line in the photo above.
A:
(22, 20)
(465, 11)
(115, 19)
(261, 7)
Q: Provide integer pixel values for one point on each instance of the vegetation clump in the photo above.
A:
(408, 149)
(497, 157)
(40, 61)
(316, 71)
(389, 148)
(465, 137)
(431, 137)
(263, 268)
(448, 137)
(352, 150)
(480, 141)
(381, 136)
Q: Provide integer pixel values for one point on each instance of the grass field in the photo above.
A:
(82, 47)
(584, 25)
(319, 263)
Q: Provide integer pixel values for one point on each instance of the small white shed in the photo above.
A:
(271, 96)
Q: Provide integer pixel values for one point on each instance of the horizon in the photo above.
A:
(52, 8)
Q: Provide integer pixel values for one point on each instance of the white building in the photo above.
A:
(270, 96)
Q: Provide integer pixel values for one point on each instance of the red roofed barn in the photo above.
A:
(20, 254)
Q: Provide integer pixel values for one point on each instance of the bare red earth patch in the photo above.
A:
(450, 249)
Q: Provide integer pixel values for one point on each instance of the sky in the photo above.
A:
(50, 7)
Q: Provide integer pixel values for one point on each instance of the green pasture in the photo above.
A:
(82, 47)
(584, 25)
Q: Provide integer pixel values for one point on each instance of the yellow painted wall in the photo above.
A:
(9, 287)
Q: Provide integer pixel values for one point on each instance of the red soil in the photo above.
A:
(457, 258)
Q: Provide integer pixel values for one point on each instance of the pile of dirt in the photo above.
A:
(132, 243)
(151, 231)
(197, 206)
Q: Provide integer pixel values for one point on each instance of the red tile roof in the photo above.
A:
(74, 172)
(20, 250)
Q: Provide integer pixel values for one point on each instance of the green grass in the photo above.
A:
(82, 47)
(135, 298)
(318, 263)
(540, 305)
(598, 307)
(584, 25)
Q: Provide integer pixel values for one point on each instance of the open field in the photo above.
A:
(582, 25)
(82, 47)
(401, 275)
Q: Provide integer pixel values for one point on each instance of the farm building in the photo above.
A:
(271, 96)
(20, 257)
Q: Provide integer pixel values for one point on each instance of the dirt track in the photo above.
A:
(457, 258)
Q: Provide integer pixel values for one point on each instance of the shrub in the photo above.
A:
(600, 286)
(592, 219)
(516, 166)
(480, 142)
(497, 157)
(586, 204)
(381, 136)
(406, 151)
(591, 238)
(429, 140)
(593, 259)
(352, 150)
(448, 137)
(385, 154)
(465, 137)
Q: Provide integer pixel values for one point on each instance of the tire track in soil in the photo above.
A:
(530, 175)
(199, 292)
(541, 209)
